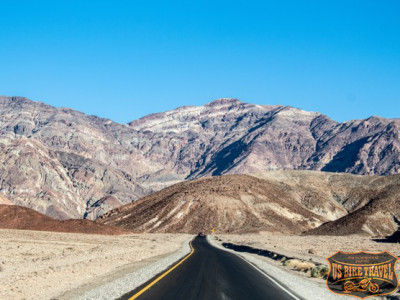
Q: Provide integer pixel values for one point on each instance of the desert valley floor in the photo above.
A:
(50, 265)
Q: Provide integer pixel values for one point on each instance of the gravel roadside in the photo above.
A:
(117, 288)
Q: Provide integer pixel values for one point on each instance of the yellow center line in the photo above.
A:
(162, 275)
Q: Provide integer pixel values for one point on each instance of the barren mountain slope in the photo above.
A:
(228, 136)
(73, 165)
(17, 217)
(378, 217)
(282, 201)
(60, 185)
(369, 146)
(321, 190)
(60, 162)
(32, 176)
(231, 203)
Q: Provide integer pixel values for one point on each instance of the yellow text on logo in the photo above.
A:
(379, 271)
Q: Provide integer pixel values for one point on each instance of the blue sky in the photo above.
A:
(124, 59)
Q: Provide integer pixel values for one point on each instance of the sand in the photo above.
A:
(46, 265)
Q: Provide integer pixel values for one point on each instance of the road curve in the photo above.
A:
(211, 274)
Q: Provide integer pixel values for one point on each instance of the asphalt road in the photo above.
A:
(212, 274)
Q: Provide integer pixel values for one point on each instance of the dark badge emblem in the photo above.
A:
(362, 274)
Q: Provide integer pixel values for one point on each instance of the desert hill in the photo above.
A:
(231, 203)
(66, 164)
(279, 201)
(316, 189)
(17, 217)
(378, 217)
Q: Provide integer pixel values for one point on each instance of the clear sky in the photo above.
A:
(124, 59)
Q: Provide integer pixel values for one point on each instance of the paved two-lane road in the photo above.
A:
(212, 274)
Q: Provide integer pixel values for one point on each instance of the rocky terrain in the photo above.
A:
(66, 164)
(280, 201)
(17, 217)
(378, 217)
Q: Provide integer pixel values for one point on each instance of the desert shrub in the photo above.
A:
(320, 271)
(299, 265)
(287, 262)
(304, 266)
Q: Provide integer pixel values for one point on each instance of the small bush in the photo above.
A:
(299, 265)
(320, 271)
(287, 262)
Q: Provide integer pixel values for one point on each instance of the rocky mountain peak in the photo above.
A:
(224, 101)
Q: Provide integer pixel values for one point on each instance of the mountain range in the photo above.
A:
(67, 164)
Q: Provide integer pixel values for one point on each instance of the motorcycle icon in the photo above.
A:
(362, 286)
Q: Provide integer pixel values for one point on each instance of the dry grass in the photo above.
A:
(299, 265)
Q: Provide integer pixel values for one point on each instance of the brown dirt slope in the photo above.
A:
(17, 217)
(231, 203)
